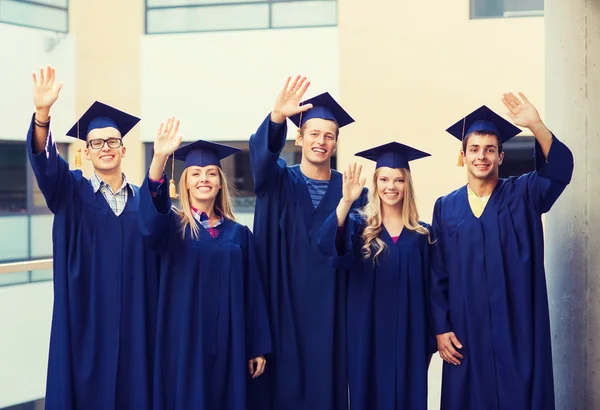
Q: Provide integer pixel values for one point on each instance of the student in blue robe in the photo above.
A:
(212, 324)
(488, 286)
(386, 250)
(306, 298)
(105, 279)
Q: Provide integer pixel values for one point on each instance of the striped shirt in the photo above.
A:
(316, 189)
(116, 200)
(202, 217)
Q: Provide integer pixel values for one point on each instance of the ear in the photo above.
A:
(501, 158)
(88, 156)
(123, 150)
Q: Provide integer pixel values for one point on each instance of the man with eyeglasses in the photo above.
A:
(105, 280)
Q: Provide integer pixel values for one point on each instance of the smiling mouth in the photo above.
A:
(319, 150)
(105, 157)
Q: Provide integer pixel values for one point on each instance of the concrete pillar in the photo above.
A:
(572, 32)
(107, 65)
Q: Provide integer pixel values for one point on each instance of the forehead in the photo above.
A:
(391, 173)
(321, 125)
(483, 140)
(107, 132)
(195, 168)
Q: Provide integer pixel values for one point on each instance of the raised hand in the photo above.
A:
(521, 111)
(288, 100)
(167, 140)
(45, 88)
(353, 185)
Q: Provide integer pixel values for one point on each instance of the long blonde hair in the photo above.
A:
(223, 204)
(374, 217)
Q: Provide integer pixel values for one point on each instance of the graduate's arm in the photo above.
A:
(258, 330)
(554, 161)
(439, 301)
(268, 141)
(51, 171)
(155, 201)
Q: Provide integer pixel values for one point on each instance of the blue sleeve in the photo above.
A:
(440, 310)
(155, 216)
(341, 244)
(265, 147)
(258, 333)
(57, 183)
(544, 186)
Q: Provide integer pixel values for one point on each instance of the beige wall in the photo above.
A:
(107, 66)
(408, 70)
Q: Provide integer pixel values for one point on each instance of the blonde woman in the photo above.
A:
(386, 251)
(212, 319)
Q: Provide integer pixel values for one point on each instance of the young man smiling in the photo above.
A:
(306, 297)
(488, 287)
(105, 280)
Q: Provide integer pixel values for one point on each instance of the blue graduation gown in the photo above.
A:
(306, 298)
(212, 316)
(488, 286)
(105, 294)
(389, 333)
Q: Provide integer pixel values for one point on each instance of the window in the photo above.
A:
(237, 169)
(19, 192)
(43, 14)
(176, 16)
(506, 8)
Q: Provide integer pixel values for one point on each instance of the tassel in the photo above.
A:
(461, 162)
(172, 188)
(298, 132)
(78, 158)
(78, 154)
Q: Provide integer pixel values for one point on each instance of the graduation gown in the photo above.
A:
(105, 294)
(389, 333)
(489, 288)
(306, 298)
(212, 316)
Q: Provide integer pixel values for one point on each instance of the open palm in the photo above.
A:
(288, 100)
(521, 111)
(167, 140)
(353, 185)
(45, 88)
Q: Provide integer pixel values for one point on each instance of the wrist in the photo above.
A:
(277, 117)
(42, 114)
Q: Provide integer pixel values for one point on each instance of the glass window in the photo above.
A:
(44, 14)
(506, 8)
(176, 16)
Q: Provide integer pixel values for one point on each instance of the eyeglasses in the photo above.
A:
(98, 143)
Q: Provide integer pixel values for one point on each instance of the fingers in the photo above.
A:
(455, 341)
(525, 100)
(51, 75)
(42, 75)
(251, 366)
(292, 86)
(160, 128)
(305, 107)
(287, 83)
(363, 182)
(59, 87)
(260, 367)
(302, 86)
(175, 127)
(35, 80)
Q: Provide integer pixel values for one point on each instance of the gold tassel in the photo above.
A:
(298, 132)
(172, 188)
(78, 158)
(78, 154)
(461, 162)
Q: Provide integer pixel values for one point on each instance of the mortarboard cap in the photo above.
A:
(393, 155)
(100, 115)
(325, 107)
(203, 153)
